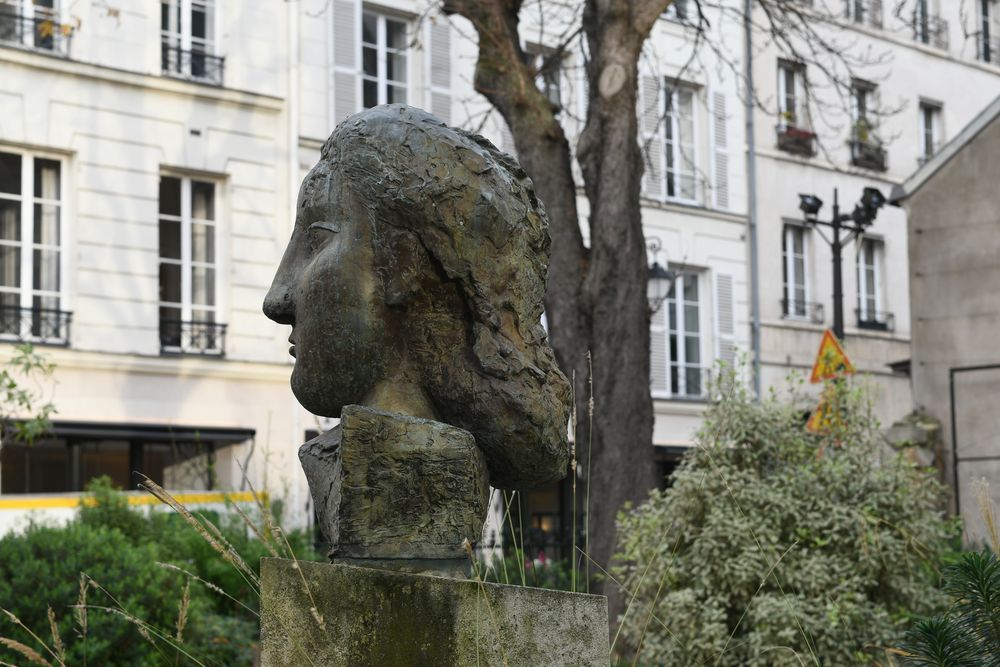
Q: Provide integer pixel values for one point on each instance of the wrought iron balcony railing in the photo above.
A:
(988, 48)
(192, 65)
(35, 325)
(191, 337)
(865, 12)
(808, 311)
(931, 30)
(868, 155)
(796, 140)
(40, 31)
(875, 320)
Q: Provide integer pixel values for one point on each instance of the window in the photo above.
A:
(865, 12)
(796, 287)
(790, 94)
(930, 130)
(684, 335)
(677, 11)
(549, 74)
(679, 144)
(187, 39)
(676, 339)
(73, 453)
(987, 47)
(866, 147)
(870, 308)
(188, 292)
(384, 72)
(31, 230)
(34, 24)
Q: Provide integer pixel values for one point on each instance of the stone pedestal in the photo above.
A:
(362, 616)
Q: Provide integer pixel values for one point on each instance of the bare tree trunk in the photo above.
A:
(596, 298)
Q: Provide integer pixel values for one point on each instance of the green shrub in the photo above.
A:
(775, 546)
(121, 548)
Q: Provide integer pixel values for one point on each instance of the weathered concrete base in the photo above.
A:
(385, 618)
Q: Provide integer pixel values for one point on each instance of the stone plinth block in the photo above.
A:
(389, 486)
(365, 616)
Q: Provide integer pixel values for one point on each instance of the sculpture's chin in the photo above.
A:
(317, 396)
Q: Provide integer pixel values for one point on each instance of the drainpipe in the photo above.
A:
(752, 196)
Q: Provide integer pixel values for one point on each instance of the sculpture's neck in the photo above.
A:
(396, 394)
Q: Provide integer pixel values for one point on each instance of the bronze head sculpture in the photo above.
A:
(413, 282)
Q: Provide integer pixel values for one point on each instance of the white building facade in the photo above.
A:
(150, 155)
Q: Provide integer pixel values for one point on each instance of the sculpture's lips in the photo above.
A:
(291, 350)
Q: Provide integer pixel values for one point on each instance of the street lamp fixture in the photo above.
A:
(854, 224)
(661, 279)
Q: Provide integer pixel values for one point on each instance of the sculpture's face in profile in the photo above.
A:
(325, 288)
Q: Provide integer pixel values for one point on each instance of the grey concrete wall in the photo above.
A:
(954, 240)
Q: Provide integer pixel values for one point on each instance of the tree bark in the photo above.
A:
(596, 298)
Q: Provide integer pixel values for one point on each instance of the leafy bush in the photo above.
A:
(969, 633)
(132, 558)
(774, 545)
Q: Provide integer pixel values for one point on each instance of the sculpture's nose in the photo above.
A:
(278, 304)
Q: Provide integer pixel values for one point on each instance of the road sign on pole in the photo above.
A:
(831, 360)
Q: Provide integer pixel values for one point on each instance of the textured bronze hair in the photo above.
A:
(462, 248)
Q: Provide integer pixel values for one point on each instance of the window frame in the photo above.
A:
(187, 263)
(673, 149)
(789, 274)
(799, 115)
(874, 291)
(929, 130)
(180, 36)
(382, 50)
(27, 247)
(677, 307)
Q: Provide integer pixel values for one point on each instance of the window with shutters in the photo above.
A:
(188, 41)
(930, 130)
(794, 135)
(384, 60)
(188, 268)
(676, 339)
(679, 144)
(866, 146)
(31, 254)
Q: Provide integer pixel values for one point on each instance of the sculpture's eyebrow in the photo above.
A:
(327, 225)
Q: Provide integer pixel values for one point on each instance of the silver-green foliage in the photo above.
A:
(777, 546)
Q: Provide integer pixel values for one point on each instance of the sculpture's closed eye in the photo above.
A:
(326, 225)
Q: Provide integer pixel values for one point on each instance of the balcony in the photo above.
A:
(689, 382)
(192, 337)
(34, 325)
(192, 65)
(866, 148)
(931, 30)
(874, 320)
(805, 311)
(39, 31)
(796, 140)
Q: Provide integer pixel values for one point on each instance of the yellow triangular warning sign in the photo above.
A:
(821, 418)
(831, 360)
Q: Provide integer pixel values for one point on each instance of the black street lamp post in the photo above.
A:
(854, 223)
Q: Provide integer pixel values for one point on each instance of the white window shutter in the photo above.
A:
(720, 150)
(725, 318)
(651, 137)
(346, 52)
(659, 360)
(438, 48)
